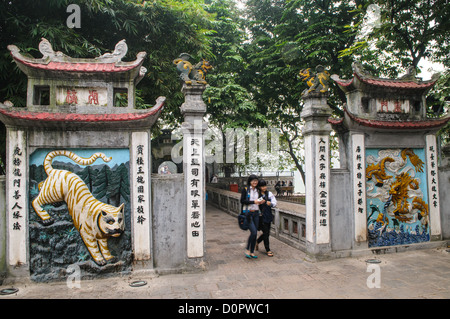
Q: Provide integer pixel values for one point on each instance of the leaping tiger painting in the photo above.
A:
(94, 220)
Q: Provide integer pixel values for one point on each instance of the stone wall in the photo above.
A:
(225, 182)
(2, 228)
(444, 181)
(341, 212)
(169, 223)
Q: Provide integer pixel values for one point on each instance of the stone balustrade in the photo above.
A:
(289, 223)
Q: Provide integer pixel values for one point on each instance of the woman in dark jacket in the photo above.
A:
(266, 215)
(250, 206)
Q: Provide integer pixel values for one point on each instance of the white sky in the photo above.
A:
(429, 68)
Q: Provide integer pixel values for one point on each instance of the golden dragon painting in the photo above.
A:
(396, 194)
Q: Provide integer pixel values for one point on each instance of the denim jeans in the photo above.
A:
(253, 227)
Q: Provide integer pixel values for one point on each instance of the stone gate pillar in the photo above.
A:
(433, 186)
(193, 128)
(317, 170)
(16, 199)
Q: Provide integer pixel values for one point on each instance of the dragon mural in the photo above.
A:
(396, 197)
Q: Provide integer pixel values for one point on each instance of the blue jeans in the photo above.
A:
(253, 227)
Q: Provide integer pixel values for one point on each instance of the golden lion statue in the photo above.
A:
(317, 82)
(191, 73)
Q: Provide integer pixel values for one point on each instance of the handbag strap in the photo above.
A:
(245, 207)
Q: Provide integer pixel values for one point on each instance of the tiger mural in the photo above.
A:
(94, 220)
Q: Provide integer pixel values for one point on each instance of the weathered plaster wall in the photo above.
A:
(397, 140)
(169, 222)
(72, 139)
(444, 179)
(444, 183)
(2, 228)
(341, 210)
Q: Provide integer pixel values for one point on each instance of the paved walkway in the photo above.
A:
(287, 275)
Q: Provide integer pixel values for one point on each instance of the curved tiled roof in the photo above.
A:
(396, 125)
(78, 67)
(408, 81)
(33, 118)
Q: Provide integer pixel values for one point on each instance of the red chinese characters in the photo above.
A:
(93, 97)
(71, 97)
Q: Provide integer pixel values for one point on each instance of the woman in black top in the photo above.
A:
(266, 215)
(250, 206)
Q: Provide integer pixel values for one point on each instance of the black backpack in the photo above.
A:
(244, 221)
(243, 217)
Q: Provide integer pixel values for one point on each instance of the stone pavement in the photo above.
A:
(229, 275)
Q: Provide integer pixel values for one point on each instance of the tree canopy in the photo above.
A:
(163, 29)
(404, 31)
(256, 51)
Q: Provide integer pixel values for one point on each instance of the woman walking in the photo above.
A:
(266, 215)
(250, 206)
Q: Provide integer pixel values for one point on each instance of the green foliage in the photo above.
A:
(407, 32)
(256, 53)
(287, 36)
(438, 102)
(229, 102)
(161, 28)
(291, 35)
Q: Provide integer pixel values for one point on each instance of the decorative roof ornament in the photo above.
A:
(410, 74)
(190, 74)
(60, 64)
(358, 68)
(119, 52)
(46, 49)
(317, 82)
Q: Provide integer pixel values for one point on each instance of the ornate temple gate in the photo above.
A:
(78, 183)
(386, 195)
(79, 190)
